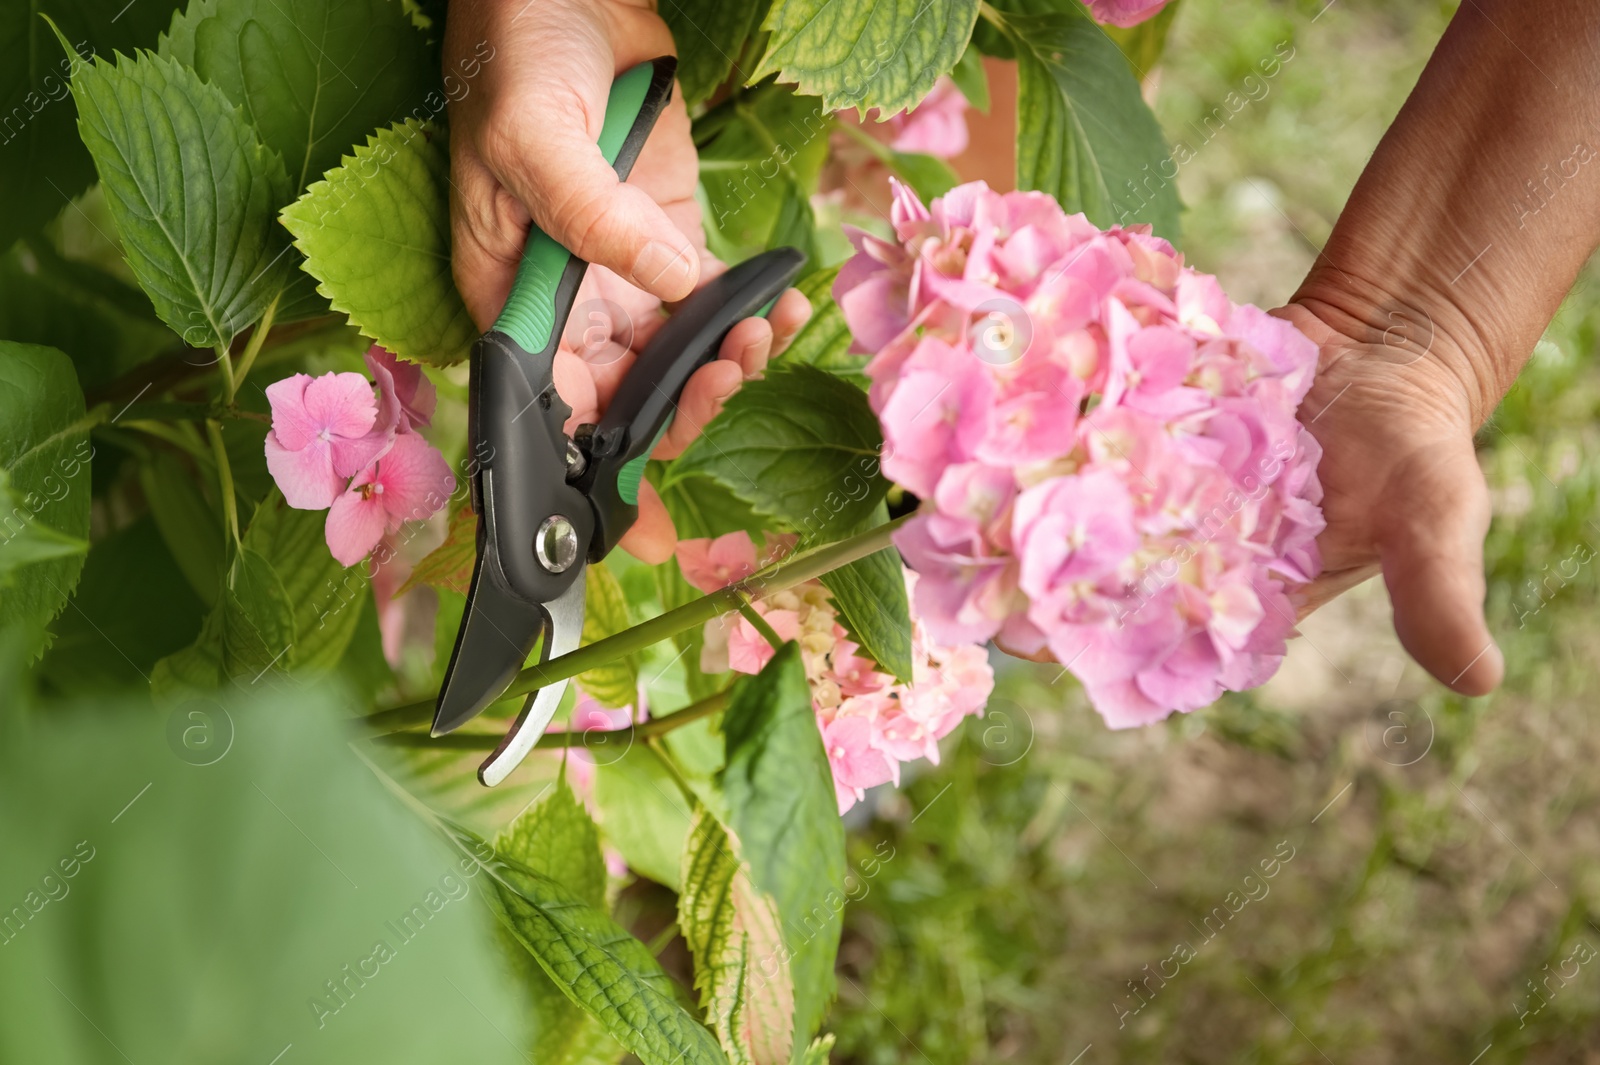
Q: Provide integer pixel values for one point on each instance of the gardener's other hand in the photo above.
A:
(1393, 408)
(522, 150)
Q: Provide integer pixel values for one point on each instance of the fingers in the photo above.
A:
(653, 537)
(748, 345)
(701, 401)
(1432, 551)
(788, 316)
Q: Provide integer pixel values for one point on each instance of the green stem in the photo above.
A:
(866, 140)
(253, 348)
(225, 365)
(230, 507)
(785, 574)
(759, 623)
(621, 738)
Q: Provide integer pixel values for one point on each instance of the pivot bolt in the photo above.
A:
(556, 544)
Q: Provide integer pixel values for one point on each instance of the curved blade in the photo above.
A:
(565, 615)
(498, 632)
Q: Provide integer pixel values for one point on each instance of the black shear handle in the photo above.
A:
(648, 397)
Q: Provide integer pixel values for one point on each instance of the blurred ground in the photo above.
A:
(1056, 892)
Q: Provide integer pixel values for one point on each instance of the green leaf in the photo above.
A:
(376, 235)
(700, 507)
(598, 965)
(1084, 133)
(249, 633)
(449, 565)
(759, 163)
(1144, 44)
(131, 608)
(187, 523)
(710, 34)
(216, 876)
(786, 818)
(870, 594)
(825, 340)
(740, 963)
(929, 175)
(885, 55)
(192, 190)
(315, 76)
(104, 324)
(799, 445)
(45, 453)
(556, 838)
(327, 598)
(43, 164)
(972, 79)
(615, 684)
(34, 541)
(817, 1053)
(642, 812)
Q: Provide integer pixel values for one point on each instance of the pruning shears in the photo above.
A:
(549, 504)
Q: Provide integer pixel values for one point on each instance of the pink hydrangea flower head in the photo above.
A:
(406, 398)
(321, 435)
(410, 482)
(1125, 12)
(1114, 471)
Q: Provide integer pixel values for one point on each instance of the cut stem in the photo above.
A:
(784, 574)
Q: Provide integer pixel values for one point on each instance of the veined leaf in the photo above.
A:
(824, 341)
(702, 507)
(192, 190)
(315, 76)
(870, 594)
(187, 523)
(327, 598)
(642, 812)
(376, 235)
(741, 966)
(44, 453)
(709, 34)
(249, 633)
(449, 565)
(885, 55)
(557, 838)
(1084, 134)
(598, 965)
(43, 164)
(786, 818)
(615, 684)
(799, 445)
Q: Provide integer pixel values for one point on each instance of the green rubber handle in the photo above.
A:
(531, 313)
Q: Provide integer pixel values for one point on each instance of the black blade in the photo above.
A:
(498, 632)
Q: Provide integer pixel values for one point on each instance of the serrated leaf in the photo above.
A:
(642, 813)
(759, 165)
(597, 964)
(246, 635)
(799, 445)
(192, 190)
(615, 684)
(327, 597)
(700, 507)
(315, 76)
(42, 162)
(824, 341)
(187, 523)
(885, 55)
(1084, 133)
(449, 565)
(557, 838)
(817, 1053)
(870, 594)
(741, 966)
(45, 454)
(709, 34)
(376, 235)
(785, 815)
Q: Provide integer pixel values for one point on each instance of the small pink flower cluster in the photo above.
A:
(870, 722)
(1105, 446)
(336, 443)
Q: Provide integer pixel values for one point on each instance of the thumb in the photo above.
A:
(1432, 551)
(555, 169)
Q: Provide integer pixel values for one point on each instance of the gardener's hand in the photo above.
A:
(522, 148)
(1393, 409)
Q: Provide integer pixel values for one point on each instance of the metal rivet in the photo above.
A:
(556, 544)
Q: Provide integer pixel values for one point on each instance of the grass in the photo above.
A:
(1443, 894)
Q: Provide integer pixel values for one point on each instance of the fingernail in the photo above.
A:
(661, 266)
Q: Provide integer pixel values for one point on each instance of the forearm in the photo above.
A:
(1482, 202)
